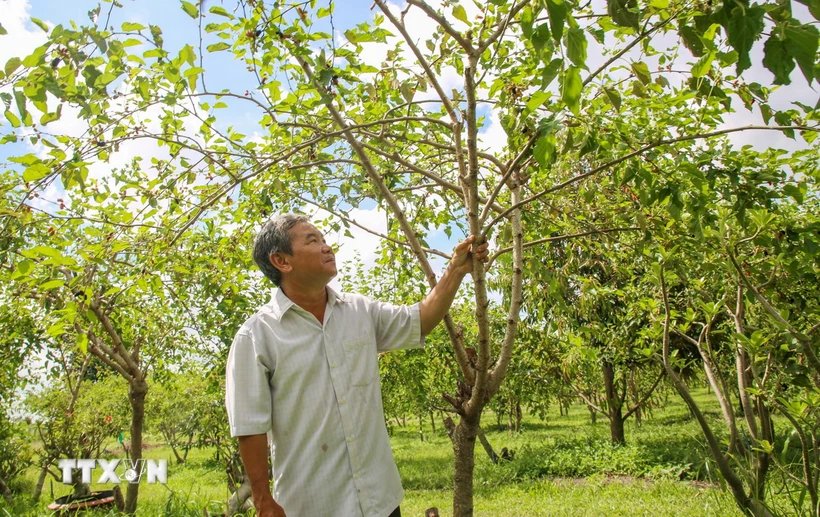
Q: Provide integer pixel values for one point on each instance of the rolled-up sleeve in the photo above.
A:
(398, 327)
(247, 388)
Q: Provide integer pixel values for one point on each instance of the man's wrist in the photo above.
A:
(455, 272)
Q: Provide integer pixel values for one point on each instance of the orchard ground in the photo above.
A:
(563, 466)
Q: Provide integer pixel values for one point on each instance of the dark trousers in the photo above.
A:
(396, 513)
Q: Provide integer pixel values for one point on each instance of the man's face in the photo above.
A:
(312, 258)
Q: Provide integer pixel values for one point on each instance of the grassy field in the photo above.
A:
(563, 466)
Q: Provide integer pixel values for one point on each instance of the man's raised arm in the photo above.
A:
(437, 302)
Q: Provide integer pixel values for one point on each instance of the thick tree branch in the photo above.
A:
(516, 294)
(119, 347)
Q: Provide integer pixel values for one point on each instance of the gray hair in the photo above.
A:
(274, 238)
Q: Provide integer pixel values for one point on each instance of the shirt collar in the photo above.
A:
(280, 303)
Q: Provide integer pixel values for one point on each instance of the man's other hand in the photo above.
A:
(269, 508)
(462, 261)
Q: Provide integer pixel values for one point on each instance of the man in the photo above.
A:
(304, 370)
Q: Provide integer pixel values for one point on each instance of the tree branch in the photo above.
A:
(429, 11)
(646, 395)
(626, 49)
(558, 238)
(642, 150)
(503, 27)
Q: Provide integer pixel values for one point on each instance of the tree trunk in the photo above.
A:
(613, 404)
(487, 447)
(518, 416)
(433, 421)
(238, 498)
(593, 415)
(464, 465)
(137, 390)
(41, 479)
(636, 396)
(5, 491)
(188, 447)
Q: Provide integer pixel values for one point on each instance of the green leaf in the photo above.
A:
(36, 172)
(551, 72)
(541, 37)
(642, 72)
(156, 35)
(52, 284)
(571, 89)
(743, 28)
(24, 267)
(576, 42)
(527, 18)
(40, 24)
(220, 11)
(44, 251)
(538, 98)
(12, 118)
(82, 342)
(801, 44)
(131, 27)
(544, 150)
(190, 9)
(12, 65)
(784, 119)
(704, 64)
(691, 40)
(614, 98)
(460, 14)
(814, 7)
(557, 11)
(3, 30)
(777, 59)
(407, 91)
(619, 11)
(99, 41)
(216, 47)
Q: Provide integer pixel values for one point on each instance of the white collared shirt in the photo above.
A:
(315, 390)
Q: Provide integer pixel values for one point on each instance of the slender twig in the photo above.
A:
(370, 231)
(558, 238)
(444, 24)
(624, 50)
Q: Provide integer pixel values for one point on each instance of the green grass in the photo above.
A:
(563, 467)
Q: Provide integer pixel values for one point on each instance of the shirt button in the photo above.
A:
(356, 476)
(341, 402)
(333, 365)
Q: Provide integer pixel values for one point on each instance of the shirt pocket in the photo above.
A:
(362, 360)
